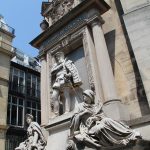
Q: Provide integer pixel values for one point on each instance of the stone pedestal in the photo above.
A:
(59, 132)
(136, 145)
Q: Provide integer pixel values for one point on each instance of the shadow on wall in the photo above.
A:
(110, 41)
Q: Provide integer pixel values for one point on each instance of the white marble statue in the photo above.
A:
(35, 140)
(90, 126)
(64, 76)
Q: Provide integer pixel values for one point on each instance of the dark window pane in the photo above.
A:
(22, 73)
(20, 116)
(15, 71)
(33, 90)
(14, 100)
(9, 98)
(21, 81)
(13, 115)
(33, 105)
(28, 111)
(34, 114)
(38, 106)
(20, 101)
(8, 114)
(28, 104)
(28, 91)
(15, 83)
(29, 84)
(33, 79)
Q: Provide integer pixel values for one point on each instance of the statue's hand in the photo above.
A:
(56, 68)
(91, 120)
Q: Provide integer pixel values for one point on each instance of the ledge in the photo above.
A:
(65, 118)
(139, 121)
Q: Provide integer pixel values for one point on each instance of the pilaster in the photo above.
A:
(112, 103)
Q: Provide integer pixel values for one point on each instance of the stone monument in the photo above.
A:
(75, 32)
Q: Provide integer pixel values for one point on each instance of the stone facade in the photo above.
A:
(6, 53)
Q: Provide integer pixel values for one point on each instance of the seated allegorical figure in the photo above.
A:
(90, 126)
(36, 139)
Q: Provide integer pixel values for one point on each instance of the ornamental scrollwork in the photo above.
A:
(59, 8)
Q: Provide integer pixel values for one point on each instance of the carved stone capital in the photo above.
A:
(97, 21)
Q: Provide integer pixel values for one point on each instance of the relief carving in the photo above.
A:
(60, 8)
(64, 76)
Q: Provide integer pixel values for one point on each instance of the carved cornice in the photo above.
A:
(81, 8)
(72, 31)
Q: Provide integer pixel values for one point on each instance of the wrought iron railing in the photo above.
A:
(7, 28)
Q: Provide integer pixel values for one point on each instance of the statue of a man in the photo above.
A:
(64, 75)
(36, 139)
(90, 126)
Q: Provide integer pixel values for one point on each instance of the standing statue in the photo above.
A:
(90, 126)
(35, 140)
(64, 76)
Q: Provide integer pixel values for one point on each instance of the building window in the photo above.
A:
(33, 85)
(15, 111)
(17, 80)
(34, 108)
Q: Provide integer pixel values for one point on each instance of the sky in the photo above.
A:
(25, 17)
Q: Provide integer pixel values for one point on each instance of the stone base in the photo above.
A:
(59, 131)
(138, 145)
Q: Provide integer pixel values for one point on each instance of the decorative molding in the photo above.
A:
(67, 40)
(60, 8)
(72, 26)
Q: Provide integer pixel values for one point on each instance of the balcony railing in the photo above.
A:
(7, 46)
(7, 28)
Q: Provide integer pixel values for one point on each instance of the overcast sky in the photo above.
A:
(24, 16)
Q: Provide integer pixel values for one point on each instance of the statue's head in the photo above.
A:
(59, 56)
(29, 118)
(88, 96)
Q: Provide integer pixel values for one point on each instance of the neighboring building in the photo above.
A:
(24, 97)
(6, 53)
(113, 37)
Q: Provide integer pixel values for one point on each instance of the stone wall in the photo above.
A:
(133, 5)
(137, 24)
